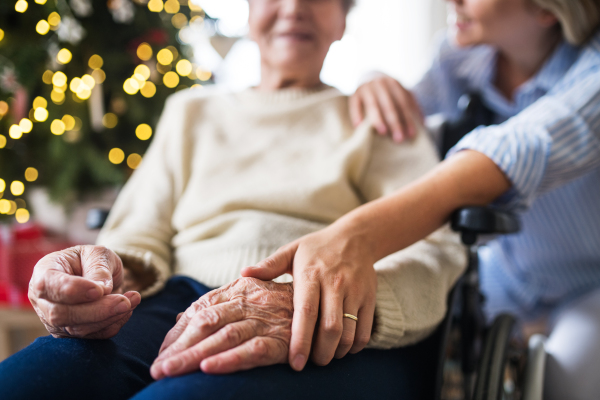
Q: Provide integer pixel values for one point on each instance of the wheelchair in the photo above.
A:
(491, 367)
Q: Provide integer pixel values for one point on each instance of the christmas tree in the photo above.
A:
(82, 83)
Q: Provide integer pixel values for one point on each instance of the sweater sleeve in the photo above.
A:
(413, 284)
(139, 225)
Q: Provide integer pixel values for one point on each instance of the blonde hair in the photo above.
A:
(578, 19)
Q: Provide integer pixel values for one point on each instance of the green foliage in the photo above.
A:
(77, 161)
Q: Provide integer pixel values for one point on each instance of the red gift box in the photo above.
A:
(21, 247)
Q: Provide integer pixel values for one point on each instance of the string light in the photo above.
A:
(31, 174)
(172, 6)
(54, 19)
(148, 90)
(171, 79)
(95, 62)
(183, 67)
(59, 79)
(4, 206)
(26, 125)
(88, 81)
(134, 160)
(47, 77)
(57, 96)
(42, 27)
(64, 56)
(116, 156)
(143, 132)
(143, 70)
(40, 102)
(13, 207)
(165, 57)
(21, 6)
(131, 86)
(2, 185)
(22, 215)
(40, 114)
(144, 52)
(110, 120)
(17, 188)
(15, 132)
(69, 122)
(155, 5)
(57, 127)
(2, 145)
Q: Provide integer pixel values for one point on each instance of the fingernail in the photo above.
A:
(172, 366)
(298, 362)
(121, 308)
(93, 294)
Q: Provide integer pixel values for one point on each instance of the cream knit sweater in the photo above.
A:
(231, 177)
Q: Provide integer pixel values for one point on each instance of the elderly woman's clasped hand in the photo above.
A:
(239, 326)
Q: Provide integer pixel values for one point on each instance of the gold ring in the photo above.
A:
(350, 316)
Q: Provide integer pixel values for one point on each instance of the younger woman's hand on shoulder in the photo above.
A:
(392, 109)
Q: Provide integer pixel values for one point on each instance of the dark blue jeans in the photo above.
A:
(118, 368)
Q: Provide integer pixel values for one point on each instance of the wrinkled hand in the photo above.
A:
(239, 326)
(76, 292)
(333, 275)
(391, 108)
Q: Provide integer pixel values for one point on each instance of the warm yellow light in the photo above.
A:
(131, 86)
(116, 156)
(17, 188)
(42, 27)
(165, 57)
(171, 79)
(203, 75)
(57, 96)
(57, 127)
(75, 84)
(143, 132)
(31, 174)
(172, 6)
(54, 19)
(99, 76)
(15, 132)
(3, 108)
(95, 62)
(141, 81)
(89, 81)
(194, 7)
(179, 20)
(4, 206)
(47, 77)
(183, 67)
(84, 93)
(144, 51)
(21, 6)
(22, 215)
(1, 35)
(40, 114)
(2, 145)
(143, 70)
(148, 90)
(26, 125)
(155, 5)
(78, 124)
(134, 160)
(64, 56)
(2, 185)
(59, 79)
(61, 89)
(40, 1)
(110, 120)
(40, 102)
(69, 122)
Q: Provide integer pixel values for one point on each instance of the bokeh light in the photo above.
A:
(143, 132)
(148, 90)
(31, 174)
(179, 20)
(110, 120)
(22, 215)
(59, 79)
(17, 188)
(183, 67)
(1, 35)
(165, 57)
(171, 79)
(64, 56)
(15, 132)
(21, 6)
(4, 206)
(2, 185)
(144, 52)
(47, 77)
(26, 125)
(99, 76)
(54, 19)
(69, 122)
(2, 145)
(40, 102)
(42, 27)
(134, 160)
(131, 86)
(95, 62)
(116, 156)
(172, 6)
(155, 5)
(40, 114)
(57, 127)
(143, 70)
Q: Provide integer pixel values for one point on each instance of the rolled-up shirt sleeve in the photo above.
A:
(552, 142)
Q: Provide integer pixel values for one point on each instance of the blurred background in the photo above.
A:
(83, 82)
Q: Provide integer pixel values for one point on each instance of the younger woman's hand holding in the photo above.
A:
(333, 275)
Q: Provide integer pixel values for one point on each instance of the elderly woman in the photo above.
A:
(228, 179)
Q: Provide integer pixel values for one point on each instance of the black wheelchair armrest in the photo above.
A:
(95, 219)
(473, 221)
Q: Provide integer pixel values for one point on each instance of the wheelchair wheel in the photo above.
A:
(494, 360)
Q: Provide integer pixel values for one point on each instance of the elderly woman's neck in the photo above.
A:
(274, 79)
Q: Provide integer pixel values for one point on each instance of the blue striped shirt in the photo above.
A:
(547, 142)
